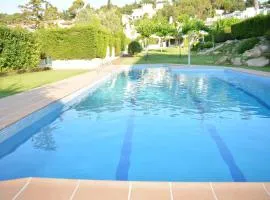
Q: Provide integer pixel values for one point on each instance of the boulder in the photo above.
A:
(265, 48)
(253, 53)
(216, 52)
(236, 61)
(258, 62)
(222, 60)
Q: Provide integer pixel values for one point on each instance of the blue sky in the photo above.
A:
(11, 6)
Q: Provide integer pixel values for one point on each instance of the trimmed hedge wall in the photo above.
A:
(73, 43)
(19, 49)
(253, 27)
(80, 42)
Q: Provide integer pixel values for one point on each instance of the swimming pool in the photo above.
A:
(152, 124)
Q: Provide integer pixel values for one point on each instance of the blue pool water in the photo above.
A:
(153, 124)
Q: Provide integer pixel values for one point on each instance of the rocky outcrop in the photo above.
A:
(258, 62)
(222, 60)
(253, 53)
(216, 48)
(259, 50)
(236, 61)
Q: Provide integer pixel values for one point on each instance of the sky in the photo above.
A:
(11, 6)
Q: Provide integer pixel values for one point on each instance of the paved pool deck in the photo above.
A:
(16, 107)
(50, 189)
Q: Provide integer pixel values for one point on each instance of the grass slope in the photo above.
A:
(171, 56)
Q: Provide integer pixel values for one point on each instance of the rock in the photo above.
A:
(236, 61)
(264, 48)
(258, 62)
(253, 53)
(216, 52)
(222, 60)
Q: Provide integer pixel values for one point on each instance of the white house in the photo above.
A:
(247, 13)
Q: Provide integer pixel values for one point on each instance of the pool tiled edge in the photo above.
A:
(44, 188)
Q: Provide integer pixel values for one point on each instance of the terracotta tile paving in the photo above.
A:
(247, 191)
(102, 190)
(8, 189)
(192, 191)
(50, 189)
(150, 190)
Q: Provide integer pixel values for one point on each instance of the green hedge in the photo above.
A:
(19, 49)
(74, 43)
(253, 27)
(80, 42)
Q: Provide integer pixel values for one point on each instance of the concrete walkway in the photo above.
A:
(15, 107)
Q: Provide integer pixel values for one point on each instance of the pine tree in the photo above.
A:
(109, 4)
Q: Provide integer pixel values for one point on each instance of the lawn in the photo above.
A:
(171, 56)
(15, 83)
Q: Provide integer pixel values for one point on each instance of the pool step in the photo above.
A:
(44, 188)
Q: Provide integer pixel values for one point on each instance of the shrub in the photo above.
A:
(19, 49)
(267, 35)
(253, 27)
(247, 45)
(134, 47)
(223, 37)
(201, 45)
(207, 45)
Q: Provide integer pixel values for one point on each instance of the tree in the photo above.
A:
(110, 19)
(51, 12)
(88, 16)
(256, 4)
(75, 7)
(192, 29)
(195, 8)
(109, 4)
(34, 11)
(145, 27)
(228, 5)
(128, 8)
(11, 18)
(163, 29)
(249, 3)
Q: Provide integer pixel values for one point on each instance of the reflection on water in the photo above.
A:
(158, 89)
(44, 140)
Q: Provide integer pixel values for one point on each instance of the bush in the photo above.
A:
(201, 45)
(134, 47)
(253, 27)
(223, 37)
(207, 45)
(267, 35)
(19, 49)
(247, 45)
